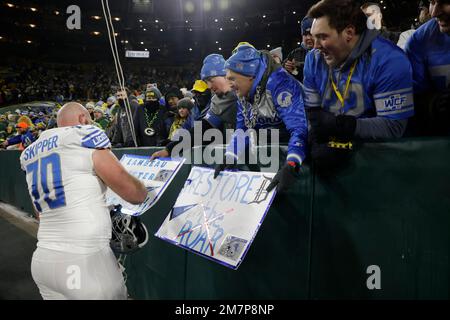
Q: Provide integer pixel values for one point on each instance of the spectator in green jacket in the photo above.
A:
(100, 118)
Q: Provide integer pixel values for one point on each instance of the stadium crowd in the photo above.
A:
(399, 87)
(23, 81)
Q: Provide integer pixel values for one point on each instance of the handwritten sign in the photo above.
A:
(156, 176)
(219, 218)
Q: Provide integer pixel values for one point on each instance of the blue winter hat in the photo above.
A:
(307, 25)
(245, 61)
(213, 66)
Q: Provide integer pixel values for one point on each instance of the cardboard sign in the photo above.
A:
(156, 176)
(219, 218)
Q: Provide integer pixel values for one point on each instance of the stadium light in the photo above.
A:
(224, 4)
(207, 5)
(156, 21)
(221, 29)
(1, 37)
(29, 41)
(96, 33)
(117, 19)
(264, 16)
(140, 20)
(96, 17)
(32, 25)
(10, 5)
(57, 12)
(33, 9)
(161, 30)
(190, 49)
(231, 19)
(142, 42)
(220, 49)
(216, 20)
(189, 7)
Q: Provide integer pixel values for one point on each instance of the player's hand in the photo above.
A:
(289, 65)
(160, 154)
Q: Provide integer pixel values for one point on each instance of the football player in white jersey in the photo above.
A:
(68, 170)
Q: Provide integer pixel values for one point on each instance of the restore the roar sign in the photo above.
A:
(156, 176)
(219, 218)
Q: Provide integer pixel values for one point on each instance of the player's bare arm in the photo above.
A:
(114, 175)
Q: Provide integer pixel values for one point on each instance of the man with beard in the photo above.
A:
(357, 85)
(372, 11)
(429, 52)
(122, 136)
(149, 120)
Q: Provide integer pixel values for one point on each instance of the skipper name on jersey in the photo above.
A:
(40, 146)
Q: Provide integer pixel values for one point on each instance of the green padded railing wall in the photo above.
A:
(390, 208)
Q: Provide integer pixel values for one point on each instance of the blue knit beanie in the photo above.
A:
(213, 66)
(307, 25)
(245, 61)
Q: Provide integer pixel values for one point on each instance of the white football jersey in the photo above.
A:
(65, 190)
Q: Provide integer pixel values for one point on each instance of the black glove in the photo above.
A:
(439, 112)
(284, 178)
(228, 164)
(441, 102)
(327, 159)
(325, 125)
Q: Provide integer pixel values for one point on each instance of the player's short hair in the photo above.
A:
(340, 13)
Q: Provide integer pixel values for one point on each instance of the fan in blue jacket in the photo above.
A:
(269, 98)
